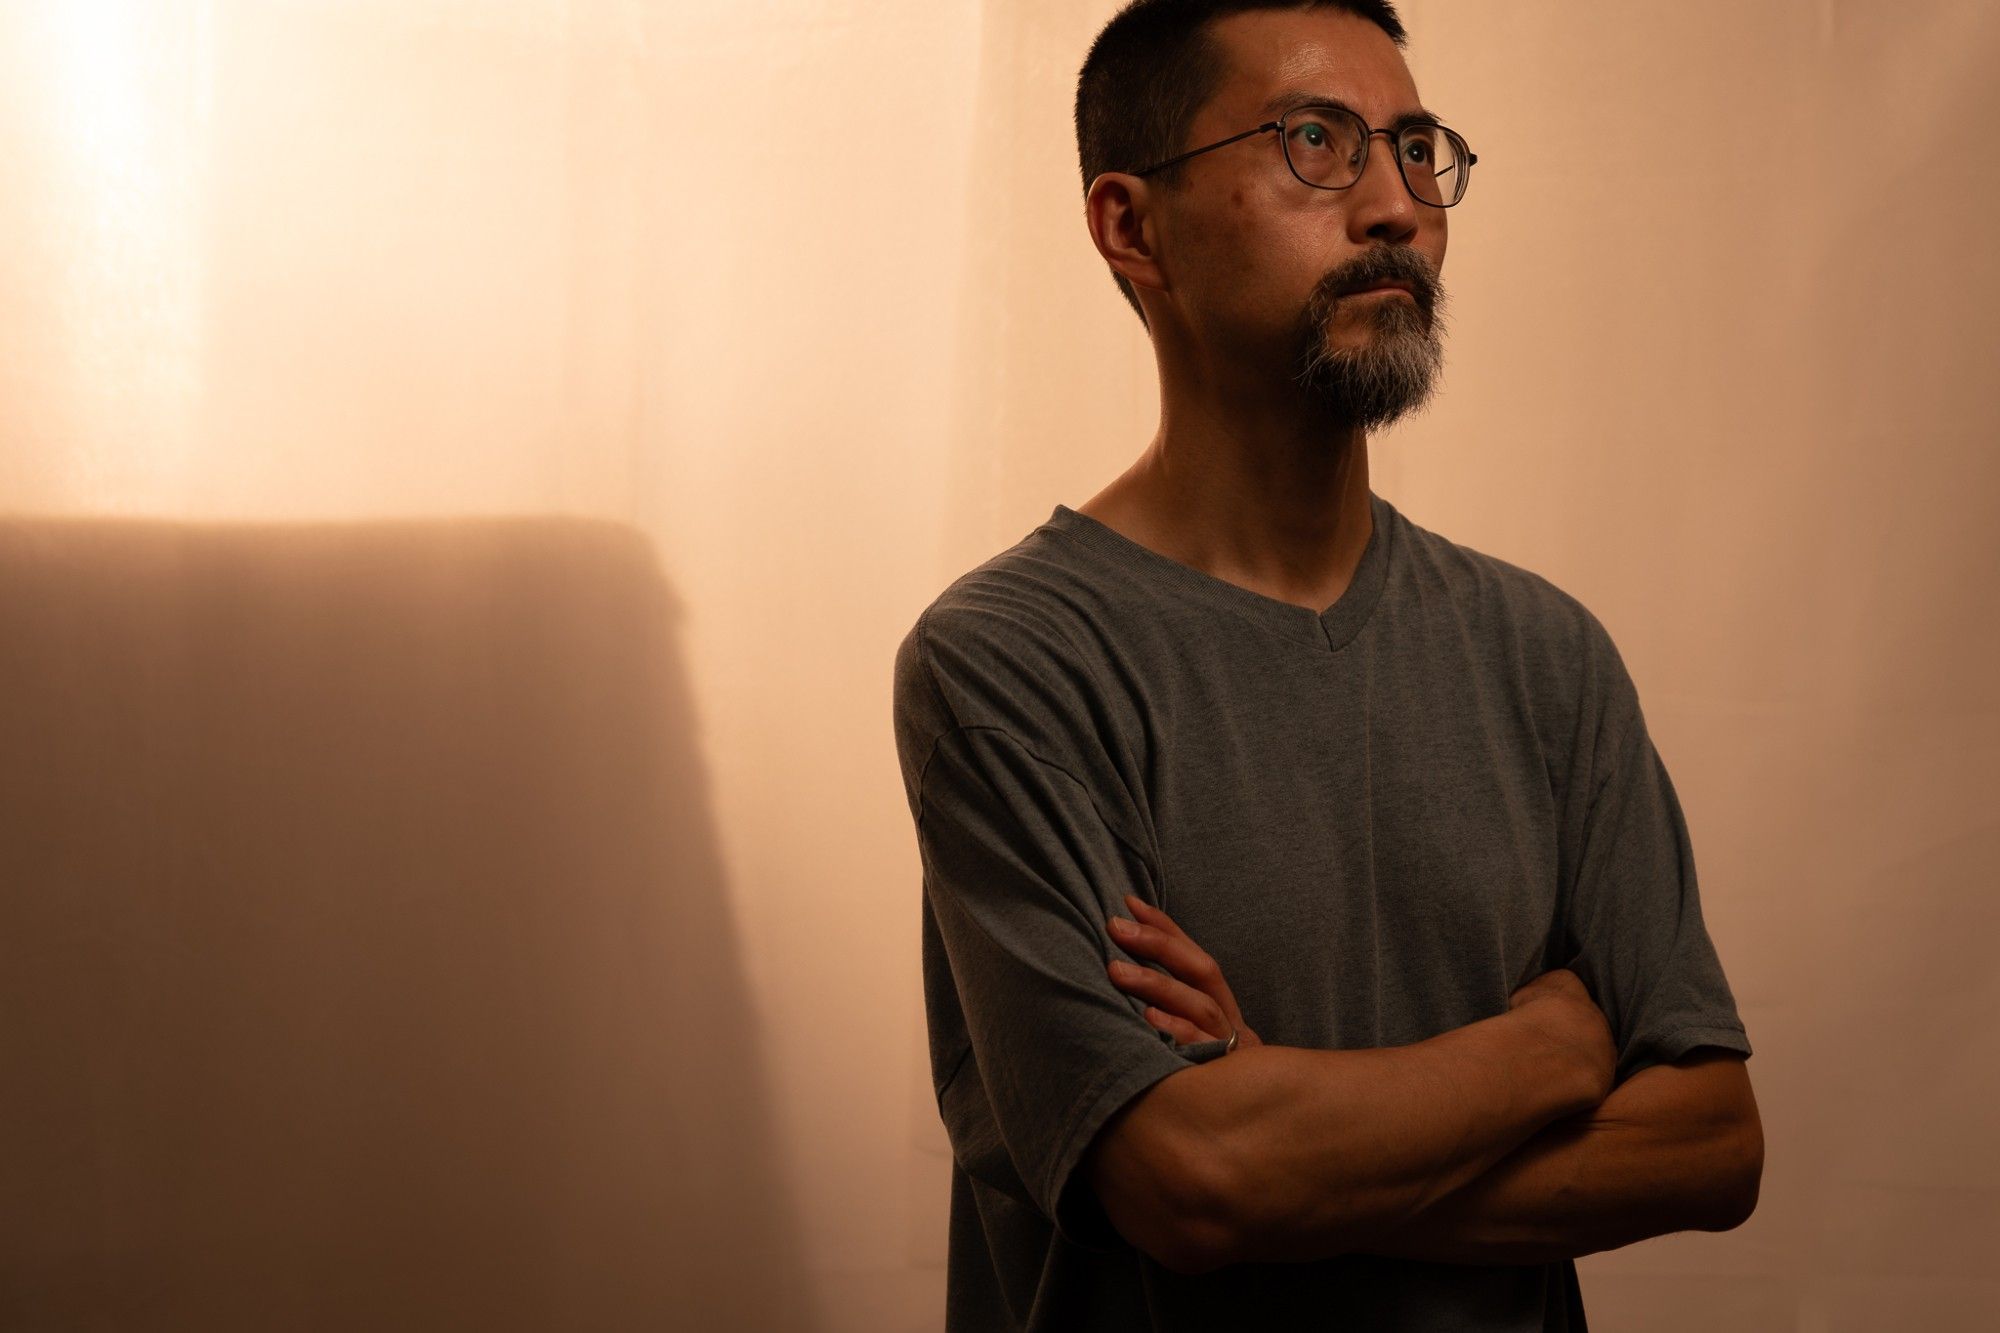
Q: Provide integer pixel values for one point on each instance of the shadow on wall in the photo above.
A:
(365, 955)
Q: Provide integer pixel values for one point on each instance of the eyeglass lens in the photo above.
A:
(1328, 147)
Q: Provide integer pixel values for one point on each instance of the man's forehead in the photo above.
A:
(1279, 59)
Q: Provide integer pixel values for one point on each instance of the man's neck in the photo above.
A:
(1269, 501)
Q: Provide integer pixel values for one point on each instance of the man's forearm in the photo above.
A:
(1321, 1148)
(1647, 1162)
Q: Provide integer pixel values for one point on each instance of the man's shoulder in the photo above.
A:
(1007, 609)
(1006, 644)
(1503, 596)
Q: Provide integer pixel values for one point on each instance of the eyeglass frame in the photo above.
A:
(1395, 146)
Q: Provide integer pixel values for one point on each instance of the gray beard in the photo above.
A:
(1391, 374)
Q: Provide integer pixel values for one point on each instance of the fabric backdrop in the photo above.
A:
(465, 468)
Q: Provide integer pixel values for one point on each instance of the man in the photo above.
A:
(1389, 799)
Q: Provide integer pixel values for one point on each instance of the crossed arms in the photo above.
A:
(1493, 1143)
(1675, 1147)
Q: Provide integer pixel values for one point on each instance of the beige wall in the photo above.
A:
(465, 468)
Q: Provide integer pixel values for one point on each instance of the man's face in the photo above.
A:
(1265, 266)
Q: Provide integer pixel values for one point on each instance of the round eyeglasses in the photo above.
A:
(1327, 148)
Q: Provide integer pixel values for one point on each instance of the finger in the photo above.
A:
(1182, 1031)
(1155, 916)
(1181, 955)
(1186, 961)
(1177, 949)
(1172, 996)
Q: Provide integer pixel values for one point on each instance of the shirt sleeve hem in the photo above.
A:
(1103, 1100)
(1682, 1040)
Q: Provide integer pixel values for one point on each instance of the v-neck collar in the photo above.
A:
(1329, 630)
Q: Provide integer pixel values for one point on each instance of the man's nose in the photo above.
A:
(1380, 206)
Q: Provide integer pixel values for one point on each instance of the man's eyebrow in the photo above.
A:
(1295, 98)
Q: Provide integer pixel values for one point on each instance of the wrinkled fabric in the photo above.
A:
(1380, 819)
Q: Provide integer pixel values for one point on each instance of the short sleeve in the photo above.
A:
(1021, 875)
(1635, 918)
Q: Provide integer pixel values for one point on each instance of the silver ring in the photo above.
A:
(1232, 1042)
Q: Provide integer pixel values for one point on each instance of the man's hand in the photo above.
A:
(1192, 1002)
(1561, 1006)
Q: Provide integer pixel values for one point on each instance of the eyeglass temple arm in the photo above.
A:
(1208, 148)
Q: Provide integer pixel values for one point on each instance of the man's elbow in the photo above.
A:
(1173, 1211)
(1739, 1196)
(1160, 1190)
(1192, 1245)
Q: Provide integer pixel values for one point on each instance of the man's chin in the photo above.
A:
(1373, 363)
(1344, 415)
(1353, 397)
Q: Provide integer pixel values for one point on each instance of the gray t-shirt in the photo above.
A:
(1380, 820)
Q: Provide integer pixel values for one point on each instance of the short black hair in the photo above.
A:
(1152, 68)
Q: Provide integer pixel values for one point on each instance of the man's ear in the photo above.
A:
(1119, 210)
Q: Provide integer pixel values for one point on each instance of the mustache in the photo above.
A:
(1382, 263)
